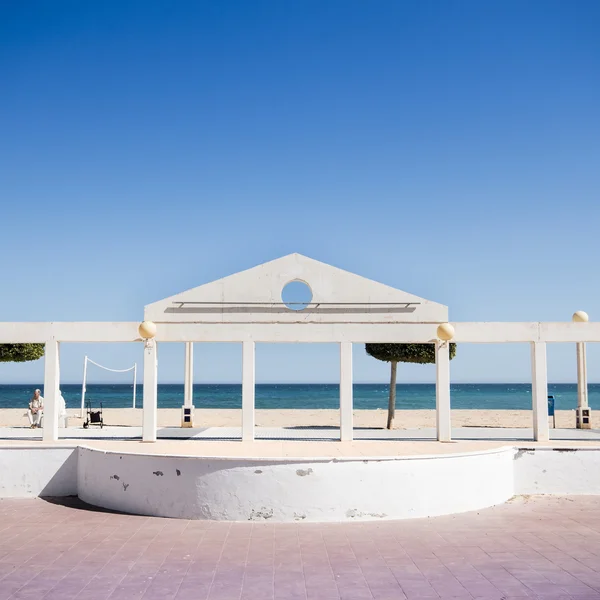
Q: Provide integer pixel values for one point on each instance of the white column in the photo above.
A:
(134, 383)
(51, 391)
(248, 390)
(346, 400)
(582, 388)
(188, 385)
(150, 399)
(539, 392)
(442, 391)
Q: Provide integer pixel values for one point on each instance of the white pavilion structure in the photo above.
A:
(248, 308)
(345, 308)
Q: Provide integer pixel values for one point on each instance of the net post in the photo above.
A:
(83, 386)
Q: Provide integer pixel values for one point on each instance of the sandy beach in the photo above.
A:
(405, 419)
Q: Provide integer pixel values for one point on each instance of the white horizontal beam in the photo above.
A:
(492, 333)
(296, 332)
(500, 333)
(569, 332)
(69, 332)
(484, 333)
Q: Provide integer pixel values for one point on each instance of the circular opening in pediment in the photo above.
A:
(296, 295)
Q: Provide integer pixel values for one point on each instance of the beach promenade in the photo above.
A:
(527, 549)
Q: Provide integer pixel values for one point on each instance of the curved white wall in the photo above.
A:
(240, 489)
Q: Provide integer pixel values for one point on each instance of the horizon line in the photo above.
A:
(139, 383)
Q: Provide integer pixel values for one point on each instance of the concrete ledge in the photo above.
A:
(563, 471)
(241, 489)
(29, 472)
(296, 489)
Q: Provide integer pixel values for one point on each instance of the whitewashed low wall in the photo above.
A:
(239, 489)
(28, 472)
(561, 471)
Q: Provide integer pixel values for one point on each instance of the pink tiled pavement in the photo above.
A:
(530, 548)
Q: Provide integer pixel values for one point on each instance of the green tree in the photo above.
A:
(21, 352)
(406, 353)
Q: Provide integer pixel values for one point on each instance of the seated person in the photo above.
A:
(36, 410)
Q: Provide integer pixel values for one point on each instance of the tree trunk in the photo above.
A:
(392, 402)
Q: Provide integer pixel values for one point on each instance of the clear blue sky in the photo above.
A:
(450, 149)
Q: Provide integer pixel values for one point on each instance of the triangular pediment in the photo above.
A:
(254, 295)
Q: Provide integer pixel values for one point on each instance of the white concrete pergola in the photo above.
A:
(247, 308)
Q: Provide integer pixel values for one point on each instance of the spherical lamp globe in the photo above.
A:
(445, 332)
(147, 330)
(580, 317)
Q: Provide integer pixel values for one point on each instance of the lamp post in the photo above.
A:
(583, 418)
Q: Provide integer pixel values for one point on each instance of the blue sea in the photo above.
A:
(509, 396)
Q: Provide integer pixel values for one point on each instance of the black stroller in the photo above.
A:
(94, 417)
